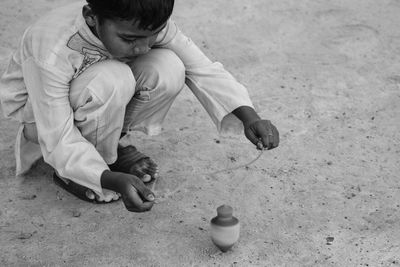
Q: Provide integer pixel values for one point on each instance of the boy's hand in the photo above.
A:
(261, 133)
(135, 195)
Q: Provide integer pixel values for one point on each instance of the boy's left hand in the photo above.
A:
(262, 133)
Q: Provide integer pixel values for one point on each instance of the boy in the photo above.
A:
(88, 73)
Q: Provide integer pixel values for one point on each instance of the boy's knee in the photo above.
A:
(107, 80)
(173, 71)
(160, 69)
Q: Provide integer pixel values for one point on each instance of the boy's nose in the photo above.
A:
(139, 50)
(142, 46)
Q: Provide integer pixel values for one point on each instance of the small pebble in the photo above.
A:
(76, 213)
(329, 240)
(24, 236)
(28, 197)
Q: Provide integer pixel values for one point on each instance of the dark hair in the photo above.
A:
(150, 14)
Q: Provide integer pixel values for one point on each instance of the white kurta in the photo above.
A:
(58, 48)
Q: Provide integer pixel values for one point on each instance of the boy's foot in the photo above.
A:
(85, 193)
(131, 161)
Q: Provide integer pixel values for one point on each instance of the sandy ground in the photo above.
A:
(327, 73)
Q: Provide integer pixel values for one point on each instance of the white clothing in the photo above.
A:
(54, 52)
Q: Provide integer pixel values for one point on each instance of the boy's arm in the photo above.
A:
(217, 90)
(260, 132)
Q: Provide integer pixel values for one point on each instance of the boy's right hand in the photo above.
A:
(135, 195)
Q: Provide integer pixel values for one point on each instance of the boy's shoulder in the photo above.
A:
(62, 41)
(53, 29)
(56, 22)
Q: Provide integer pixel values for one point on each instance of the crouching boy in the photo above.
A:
(87, 73)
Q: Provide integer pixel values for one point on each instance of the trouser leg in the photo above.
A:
(160, 76)
(98, 98)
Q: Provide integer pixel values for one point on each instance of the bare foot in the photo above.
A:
(146, 169)
(131, 161)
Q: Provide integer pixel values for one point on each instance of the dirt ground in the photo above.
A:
(327, 73)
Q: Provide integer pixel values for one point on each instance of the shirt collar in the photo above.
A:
(88, 35)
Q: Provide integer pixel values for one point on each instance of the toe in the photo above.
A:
(148, 163)
(105, 198)
(90, 194)
(152, 173)
(152, 164)
(108, 198)
(146, 178)
(152, 170)
(109, 195)
(142, 175)
(145, 169)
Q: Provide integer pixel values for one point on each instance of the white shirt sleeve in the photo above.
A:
(13, 95)
(215, 88)
(61, 142)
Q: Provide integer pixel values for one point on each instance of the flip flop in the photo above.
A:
(77, 190)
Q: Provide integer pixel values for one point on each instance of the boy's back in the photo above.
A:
(62, 42)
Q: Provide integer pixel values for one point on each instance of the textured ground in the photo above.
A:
(327, 73)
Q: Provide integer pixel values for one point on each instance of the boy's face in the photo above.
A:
(123, 39)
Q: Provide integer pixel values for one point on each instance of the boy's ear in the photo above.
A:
(89, 16)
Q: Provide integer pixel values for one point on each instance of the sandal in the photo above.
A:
(77, 190)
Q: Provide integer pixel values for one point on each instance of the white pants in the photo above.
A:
(133, 102)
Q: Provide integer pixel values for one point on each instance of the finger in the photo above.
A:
(252, 137)
(133, 202)
(266, 140)
(270, 129)
(143, 191)
(276, 137)
(146, 206)
(270, 140)
(273, 137)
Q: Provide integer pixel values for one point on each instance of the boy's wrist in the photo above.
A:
(246, 114)
(110, 180)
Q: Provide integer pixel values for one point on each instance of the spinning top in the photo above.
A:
(224, 228)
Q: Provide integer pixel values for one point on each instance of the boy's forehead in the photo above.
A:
(131, 27)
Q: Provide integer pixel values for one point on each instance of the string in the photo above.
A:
(239, 166)
(161, 199)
